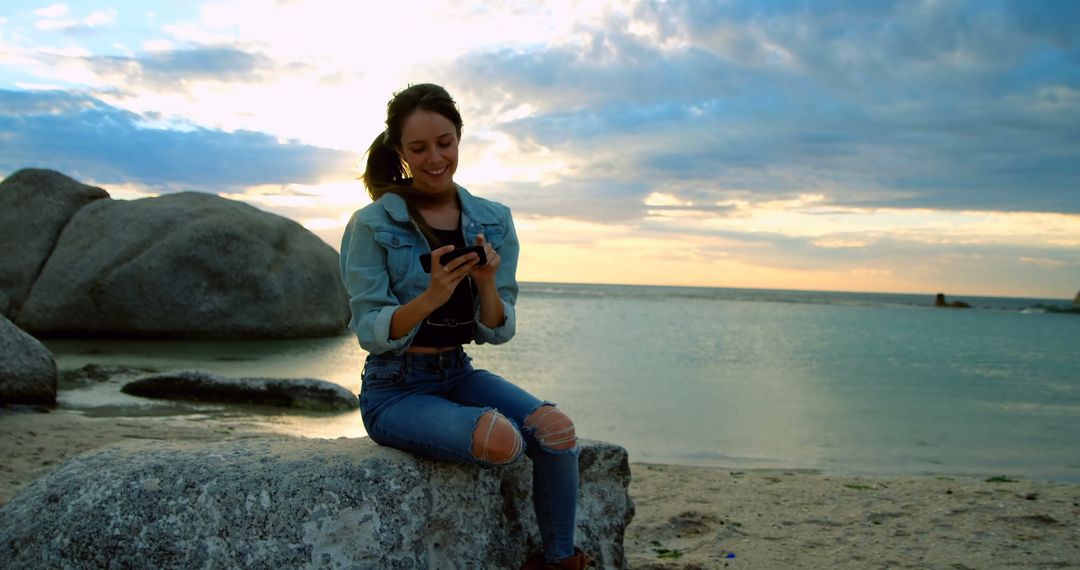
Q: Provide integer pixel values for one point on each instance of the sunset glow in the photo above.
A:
(909, 147)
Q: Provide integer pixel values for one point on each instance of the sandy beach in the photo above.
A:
(706, 517)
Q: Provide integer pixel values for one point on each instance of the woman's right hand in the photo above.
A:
(445, 278)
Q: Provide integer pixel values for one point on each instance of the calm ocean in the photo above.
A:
(841, 382)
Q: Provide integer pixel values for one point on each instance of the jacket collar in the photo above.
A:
(399, 212)
(395, 206)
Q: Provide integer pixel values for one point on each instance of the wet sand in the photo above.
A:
(705, 517)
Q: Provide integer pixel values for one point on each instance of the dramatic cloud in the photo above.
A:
(870, 144)
(913, 104)
(83, 137)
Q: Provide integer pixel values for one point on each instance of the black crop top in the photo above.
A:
(454, 322)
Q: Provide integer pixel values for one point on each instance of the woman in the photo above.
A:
(420, 392)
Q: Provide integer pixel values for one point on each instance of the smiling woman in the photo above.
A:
(419, 391)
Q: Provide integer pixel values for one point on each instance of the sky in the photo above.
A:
(915, 146)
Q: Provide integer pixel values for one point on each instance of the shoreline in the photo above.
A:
(709, 517)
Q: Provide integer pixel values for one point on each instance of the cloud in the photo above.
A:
(218, 86)
(1042, 262)
(52, 11)
(1061, 25)
(85, 138)
(948, 105)
(882, 251)
(172, 69)
(54, 20)
(577, 199)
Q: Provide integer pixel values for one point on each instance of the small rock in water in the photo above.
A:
(97, 373)
(203, 386)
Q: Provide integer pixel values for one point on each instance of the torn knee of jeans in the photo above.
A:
(496, 440)
(552, 429)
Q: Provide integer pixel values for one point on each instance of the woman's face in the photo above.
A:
(429, 145)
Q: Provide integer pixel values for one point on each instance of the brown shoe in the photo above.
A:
(579, 561)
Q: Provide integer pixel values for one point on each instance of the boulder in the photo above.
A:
(1076, 300)
(35, 205)
(296, 503)
(203, 386)
(27, 368)
(186, 265)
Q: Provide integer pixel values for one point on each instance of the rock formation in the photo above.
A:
(202, 386)
(939, 301)
(77, 263)
(27, 368)
(35, 205)
(295, 503)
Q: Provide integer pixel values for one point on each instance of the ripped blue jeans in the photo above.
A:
(430, 405)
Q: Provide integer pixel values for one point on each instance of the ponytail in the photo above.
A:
(384, 171)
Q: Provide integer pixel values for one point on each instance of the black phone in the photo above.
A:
(425, 259)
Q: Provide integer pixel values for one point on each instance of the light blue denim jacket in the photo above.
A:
(381, 270)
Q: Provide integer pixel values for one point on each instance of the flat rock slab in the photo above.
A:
(294, 503)
(203, 386)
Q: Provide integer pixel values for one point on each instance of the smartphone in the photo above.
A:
(425, 259)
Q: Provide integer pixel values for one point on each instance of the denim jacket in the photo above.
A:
(381, 270)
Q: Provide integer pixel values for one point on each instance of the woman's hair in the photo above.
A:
(386, 171)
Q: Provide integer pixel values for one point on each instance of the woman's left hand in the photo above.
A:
(485, 274)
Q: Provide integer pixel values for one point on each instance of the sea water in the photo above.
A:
(840, 382)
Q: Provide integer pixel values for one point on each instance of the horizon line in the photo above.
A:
(674, 286)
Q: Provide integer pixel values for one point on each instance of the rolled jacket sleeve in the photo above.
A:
(371, 299)
(507, 286)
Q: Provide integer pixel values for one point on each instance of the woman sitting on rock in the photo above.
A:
(419, 391)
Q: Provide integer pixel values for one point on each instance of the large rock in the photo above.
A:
(35, 205)
(274, 503)
(27, 368)
(186, 265)
(203, 386)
